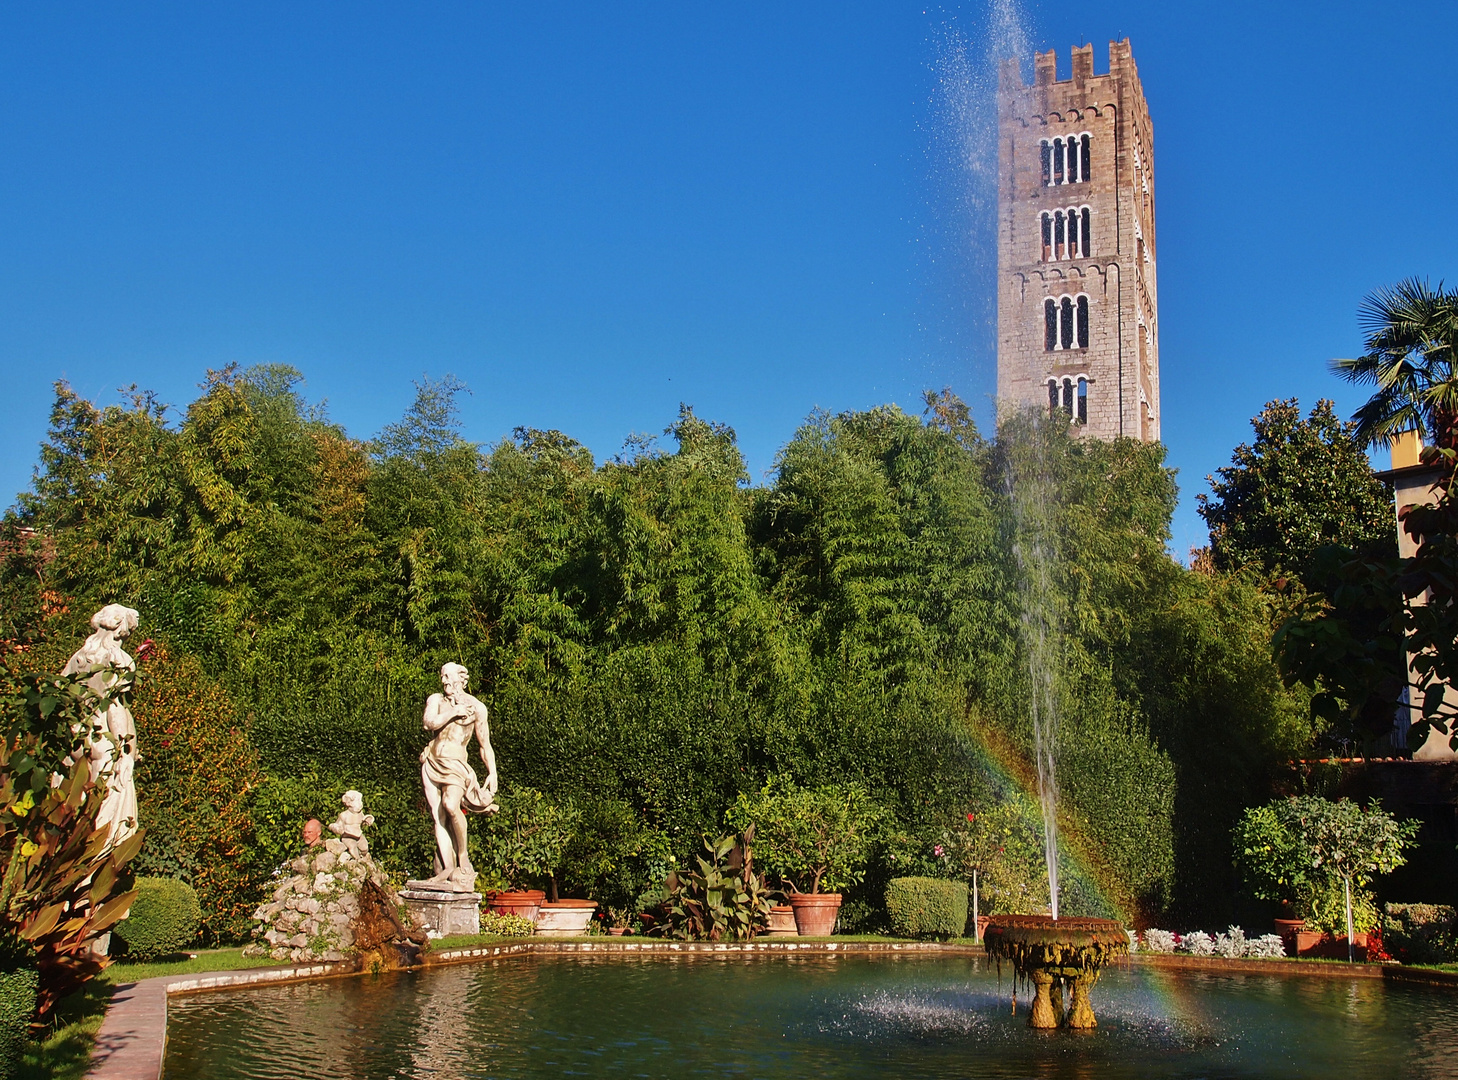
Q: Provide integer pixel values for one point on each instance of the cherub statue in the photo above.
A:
(349, 826)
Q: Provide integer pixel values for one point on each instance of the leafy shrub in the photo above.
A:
(17, 1005)
(1266, 947)
(1198, 943)
(1323, 906)
(164, 919)
(723, 899)
(612, 853)
(927, 907)
(1318, 853)
(811, 838)
(198, 771)
(506, 925)
(1421, 933)
(62, 876)
(1159, 941)
(1231, 944)
(524, 841)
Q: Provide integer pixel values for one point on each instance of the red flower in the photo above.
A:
(971, 817)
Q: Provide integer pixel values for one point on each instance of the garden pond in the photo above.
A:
(826, 1017)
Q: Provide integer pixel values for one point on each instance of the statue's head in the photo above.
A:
(353, 801)
(454, 676)
(117, 618)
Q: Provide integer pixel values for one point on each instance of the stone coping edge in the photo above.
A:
(133, 1036)
(466, 954)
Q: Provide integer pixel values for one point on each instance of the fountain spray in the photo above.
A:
(965, 152)
(1032, 490)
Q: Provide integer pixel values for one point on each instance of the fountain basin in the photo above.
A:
(778, 1013)
(1053, 953)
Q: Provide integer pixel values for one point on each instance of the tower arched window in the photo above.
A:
(1070, 395)
(1067, 234)
(1067, 159)
(1066, 323)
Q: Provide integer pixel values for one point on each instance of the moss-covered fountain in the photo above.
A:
(1051, 953)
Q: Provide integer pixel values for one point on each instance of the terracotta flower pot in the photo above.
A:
(1332, 948)
(815, 913)
(617, 931)
(565, 918)
(782, 921)
(1288, 929)
(523, 902)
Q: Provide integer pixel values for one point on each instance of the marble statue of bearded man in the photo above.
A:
(451, 786)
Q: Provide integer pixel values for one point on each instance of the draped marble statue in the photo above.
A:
(111, 743)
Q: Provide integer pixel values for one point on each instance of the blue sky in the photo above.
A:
(590, 213)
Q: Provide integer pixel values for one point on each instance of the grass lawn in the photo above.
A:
(125, 971)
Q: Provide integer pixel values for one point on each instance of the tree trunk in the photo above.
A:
(1351, 949)
(976, 913)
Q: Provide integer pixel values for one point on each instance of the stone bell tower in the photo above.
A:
(1077, 302)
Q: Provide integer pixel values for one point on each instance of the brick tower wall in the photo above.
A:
(1117, 274)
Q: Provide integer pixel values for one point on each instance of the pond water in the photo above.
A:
(823, 1018)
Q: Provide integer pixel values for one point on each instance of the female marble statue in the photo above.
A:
(116, 756)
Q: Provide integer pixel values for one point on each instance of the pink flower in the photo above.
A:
(937, 851)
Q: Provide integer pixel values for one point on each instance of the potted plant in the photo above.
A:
(721, 898)
(1269, 855)
(618, 919)
(523, 843)
(975, 848)
(1327, 853)
(816, 840)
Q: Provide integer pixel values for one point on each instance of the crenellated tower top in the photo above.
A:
(1077, 297)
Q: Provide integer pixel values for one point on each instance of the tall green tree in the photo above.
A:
(1300, 485)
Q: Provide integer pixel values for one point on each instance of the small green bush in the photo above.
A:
(926, 907)
(505, 925)
(17, 1005)
(1421, 933)
(163, 920)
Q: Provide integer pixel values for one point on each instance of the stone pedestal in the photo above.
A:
(442, 912)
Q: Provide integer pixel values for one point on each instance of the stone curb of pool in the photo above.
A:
(133, 1036)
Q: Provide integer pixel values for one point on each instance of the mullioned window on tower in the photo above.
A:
(1067, 234)
(1065, 323)
(1069, 394)
(1067, 160)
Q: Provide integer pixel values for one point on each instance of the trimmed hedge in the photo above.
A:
(1421, 933)
(17, 1005)
(163, 919)
(927, 907)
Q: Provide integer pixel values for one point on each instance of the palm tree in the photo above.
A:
(1412, 358)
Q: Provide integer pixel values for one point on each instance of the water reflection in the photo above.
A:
(828, 1019)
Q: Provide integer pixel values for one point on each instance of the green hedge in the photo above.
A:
(163, 919)
(927, 907)
(17, 1004)
(1421, 933)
